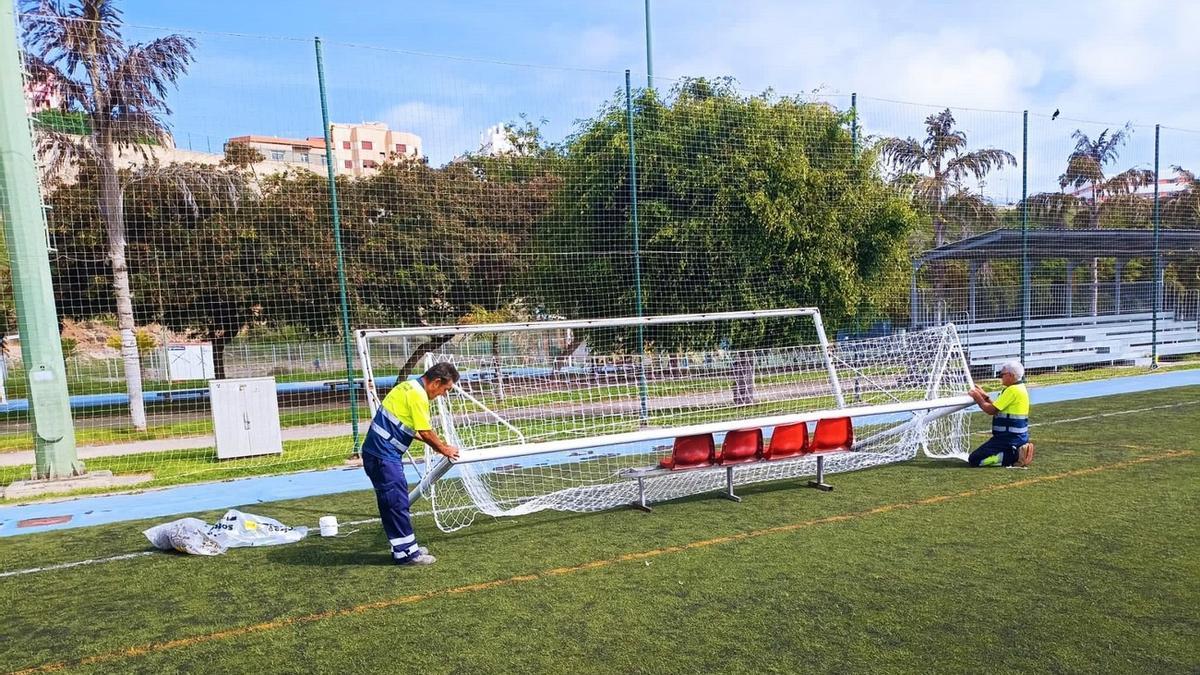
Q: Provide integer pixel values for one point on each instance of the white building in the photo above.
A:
(496, 140)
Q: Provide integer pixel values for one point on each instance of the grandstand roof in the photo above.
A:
(1065, 244)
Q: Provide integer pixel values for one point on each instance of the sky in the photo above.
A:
(448, 69)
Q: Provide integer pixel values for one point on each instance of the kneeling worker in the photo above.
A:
(1009, 444)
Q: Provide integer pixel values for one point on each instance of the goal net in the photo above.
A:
(558, 414)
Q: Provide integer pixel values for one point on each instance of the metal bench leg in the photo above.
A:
(729, 485)
(641, 502)
(819, 483)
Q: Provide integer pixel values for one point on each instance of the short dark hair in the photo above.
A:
(441, 371)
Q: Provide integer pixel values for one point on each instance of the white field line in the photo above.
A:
(1115, 414)
(127, 556)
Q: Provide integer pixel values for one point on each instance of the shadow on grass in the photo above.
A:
(306, 556)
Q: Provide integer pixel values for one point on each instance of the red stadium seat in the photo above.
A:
(788, 440)
(691, 451)
(833, 434)
(740, 446)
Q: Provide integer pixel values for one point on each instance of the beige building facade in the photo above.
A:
(358, 149)
(281, 153)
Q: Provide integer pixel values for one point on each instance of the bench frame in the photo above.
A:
(652, 472)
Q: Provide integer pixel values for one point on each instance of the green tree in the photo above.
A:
(1181, 209)
(514, 312)
(426, 245)
(192, 251)
(935, 169)
(121, 89)
(745, 202)
(242, 155)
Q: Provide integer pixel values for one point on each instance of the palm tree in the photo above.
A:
(1182, 209)
(1091, 188)
(936, 168)
(935, 171)
(120, 88)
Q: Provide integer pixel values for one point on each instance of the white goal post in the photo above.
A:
(544, 429)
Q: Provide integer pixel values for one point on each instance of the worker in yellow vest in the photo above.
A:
(1009, 445)
(403, 419)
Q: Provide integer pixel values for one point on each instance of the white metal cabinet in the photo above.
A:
(245, 417)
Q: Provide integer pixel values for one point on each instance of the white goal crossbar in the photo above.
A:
(363, 336)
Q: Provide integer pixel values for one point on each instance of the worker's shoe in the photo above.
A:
(418, 559)
(1025, 455)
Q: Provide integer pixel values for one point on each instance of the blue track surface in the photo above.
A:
(186, 499)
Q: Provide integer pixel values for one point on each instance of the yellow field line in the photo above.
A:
(156, 647)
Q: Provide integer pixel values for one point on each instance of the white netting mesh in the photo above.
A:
(541, 395)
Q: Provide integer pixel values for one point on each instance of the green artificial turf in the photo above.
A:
(1086, 562)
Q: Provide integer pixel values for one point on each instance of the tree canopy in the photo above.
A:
(744, 202)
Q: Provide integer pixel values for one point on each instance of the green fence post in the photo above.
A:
(337, 244)
(25, 233)
(1158, 272)
(637, 252)
(1025, 290)
(854, 123)
(649, 54)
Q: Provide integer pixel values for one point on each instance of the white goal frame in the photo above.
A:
(932, 408)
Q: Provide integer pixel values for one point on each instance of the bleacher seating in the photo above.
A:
(1081, 340)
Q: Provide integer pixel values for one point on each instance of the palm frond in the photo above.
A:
(1127, 182)
(1082, 169)
(979, 163)
(1052, 209)
(1186, 176)
(904, 154)
(68, 36)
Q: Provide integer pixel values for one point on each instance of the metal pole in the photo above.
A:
(913, 298)
(649, 53)
(337, 244)
(29, 260)
(637, 254)
(853, 121)
(1158, 272)
(1024, 229)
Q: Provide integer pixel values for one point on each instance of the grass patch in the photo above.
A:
(1085, 563)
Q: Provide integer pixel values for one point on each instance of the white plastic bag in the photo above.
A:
(186, 535)
(194, 536)
(246, 529)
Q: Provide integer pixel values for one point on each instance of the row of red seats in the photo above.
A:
(746, 445)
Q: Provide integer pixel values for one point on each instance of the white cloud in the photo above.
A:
(599, 47)
(945, 67)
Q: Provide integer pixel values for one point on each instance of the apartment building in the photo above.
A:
(359, 149)
(280, 153)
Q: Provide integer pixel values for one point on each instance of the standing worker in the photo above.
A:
(402, 418)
